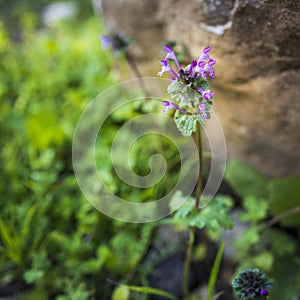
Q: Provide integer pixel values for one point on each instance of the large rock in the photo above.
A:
(256, 44)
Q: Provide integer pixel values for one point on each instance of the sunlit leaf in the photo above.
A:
(121, 292)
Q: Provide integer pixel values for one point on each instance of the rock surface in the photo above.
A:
(256, 44)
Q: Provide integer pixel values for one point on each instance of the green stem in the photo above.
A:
(200, 176)
(192, 230)
(136, 72)
(282, 216)
(187, 262)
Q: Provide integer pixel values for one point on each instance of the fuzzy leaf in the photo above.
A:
(203, 84)
(186, 124)
(176, 89)
(182, 93)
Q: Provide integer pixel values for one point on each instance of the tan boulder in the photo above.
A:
(257, 46)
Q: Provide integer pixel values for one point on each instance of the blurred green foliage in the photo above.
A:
(12, 12)
(53, 243)
(264, 244)
(214, 217)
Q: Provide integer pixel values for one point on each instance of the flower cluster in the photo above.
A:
(118, 42)
(189, 86)
(251, 285)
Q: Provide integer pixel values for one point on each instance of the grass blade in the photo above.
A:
(149, 290)
(215, 271)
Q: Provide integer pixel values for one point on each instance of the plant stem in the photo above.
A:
(282, 216)
(187, 262)
(192, 230)
(200, 176)
(135, 71)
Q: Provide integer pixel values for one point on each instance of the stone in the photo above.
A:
(256, 44)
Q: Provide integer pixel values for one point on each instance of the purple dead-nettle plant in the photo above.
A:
(189, 88)
(251, 284)
(118, 42)
(191, 99)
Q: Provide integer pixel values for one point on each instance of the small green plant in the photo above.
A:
(190, 91)
(270, 209)
(251, 285)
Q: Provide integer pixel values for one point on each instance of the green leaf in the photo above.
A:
(245, 181)
(217, 213)
(176, 89)
(215, 271)
(184, 94)
(203, 83)
(284, 195)
(214, 216)
(40, 129)
(249, 237)
(198, 221)
(147, 290)
(11, 241)
(256, 209)
(184, 209)
(190, 96)
(264, 260)
(32, 275)
(121, 292)
(200, 252)
(186, 124)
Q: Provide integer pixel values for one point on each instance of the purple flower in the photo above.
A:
(189, 86)
(192, 66)
(204, 55)
(118, 42)
(264, 292)
(203, 66)
(202, 109)
(106, 41)
(211, 62)
(170, 52)
(171, 55)
(251, 284)
(207, 95)
(168, 105)
(166, 68)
